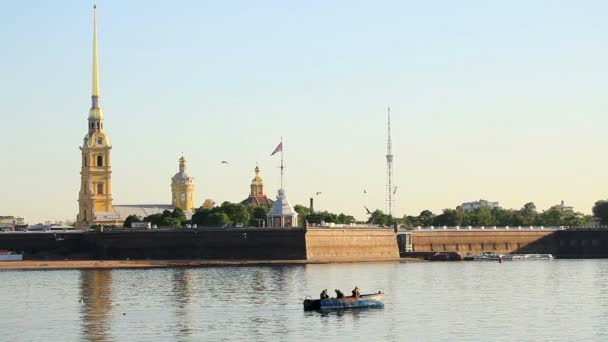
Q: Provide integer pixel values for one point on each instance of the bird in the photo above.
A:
(318, 193)
(367, 209)
(395, 190)
(224, 162)
(364, 191)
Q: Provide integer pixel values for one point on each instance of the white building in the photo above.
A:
(564, 208)
(470, 206)
(282, 214)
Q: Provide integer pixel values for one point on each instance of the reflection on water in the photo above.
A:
(97, 304)
(559, 300)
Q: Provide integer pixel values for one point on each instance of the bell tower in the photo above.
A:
(96, 173)
(182, 188)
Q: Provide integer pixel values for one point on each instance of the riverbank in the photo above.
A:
(139, 264)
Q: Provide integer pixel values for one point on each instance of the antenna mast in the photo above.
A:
(390, 188)
(282, 167)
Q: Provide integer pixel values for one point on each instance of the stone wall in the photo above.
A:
(351, 244)
(489, 240)
(208, 243)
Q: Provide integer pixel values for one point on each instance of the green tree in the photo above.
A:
(303, 213)
(380, 218)
(258, 215)
(237, 213)
(553, 217)
(345, 219)
(426, 218)
(529, 215)
(130, 219)
(218, 219)
(449, 217)
(179, 215)
(600, 210)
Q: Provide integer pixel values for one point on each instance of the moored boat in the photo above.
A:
(10, 256)
(372, 300)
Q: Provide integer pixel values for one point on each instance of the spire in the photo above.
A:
(95, 113)
(182, 164)
(95, 90)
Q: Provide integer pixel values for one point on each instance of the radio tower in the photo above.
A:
(390, 188)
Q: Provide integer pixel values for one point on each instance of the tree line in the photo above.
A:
(528, 215)
(226, 214)
(239, 214)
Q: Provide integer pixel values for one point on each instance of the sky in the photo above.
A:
(503, 101)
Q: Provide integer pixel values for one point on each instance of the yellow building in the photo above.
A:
(257, 195)
(182, 188)
(96, 173)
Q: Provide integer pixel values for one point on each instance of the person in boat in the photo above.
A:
(339, 294)
(324, 294)
(356, 292)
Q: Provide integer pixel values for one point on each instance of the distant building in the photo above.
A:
(9, 223)
(564, 208)
(182, 188)
(470, 206)
(257, 195)
(95, 194)
(119, 213)
(281, 213)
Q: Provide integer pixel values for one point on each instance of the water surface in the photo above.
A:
(561, 300)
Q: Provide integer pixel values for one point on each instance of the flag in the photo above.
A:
(278, 149)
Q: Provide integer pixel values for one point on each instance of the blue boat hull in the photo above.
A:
(374, 300)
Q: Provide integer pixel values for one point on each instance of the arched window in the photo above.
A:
(99, 161)
(100, 188)
(84, 161)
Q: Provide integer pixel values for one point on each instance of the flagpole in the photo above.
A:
(281, 162)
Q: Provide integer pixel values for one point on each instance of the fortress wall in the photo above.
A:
(351, 244)
(582, 243)
(479, 241)
(210, 244)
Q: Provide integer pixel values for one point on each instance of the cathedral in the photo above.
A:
(257, 195)
(95, 197)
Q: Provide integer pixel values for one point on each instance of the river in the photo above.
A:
(560, 300)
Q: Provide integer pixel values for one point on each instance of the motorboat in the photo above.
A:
(10, 256)
(372, 300)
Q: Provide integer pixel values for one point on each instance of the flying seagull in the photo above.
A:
(367, 209)
(224, 162)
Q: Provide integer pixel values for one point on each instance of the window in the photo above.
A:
(84, 161)
(183, 196)
(99, 161)
(100, 188)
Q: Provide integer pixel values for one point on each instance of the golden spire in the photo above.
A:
(95, 113)
(95, 92)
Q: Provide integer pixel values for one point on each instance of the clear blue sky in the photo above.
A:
(497, 100)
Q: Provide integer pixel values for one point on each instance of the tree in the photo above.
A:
(218, 219)
(528, 214)
(179, 214)
(575, 220)
(258, 215)
(176, 218)
(553, 217)
(380, 218)
(426, 218)
(345, 219)
(130, 219)
(303, 213)
(449, 217)
(237, 213)
(600, 210)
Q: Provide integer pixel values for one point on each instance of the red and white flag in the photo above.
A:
(278, 149)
